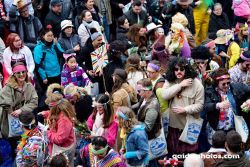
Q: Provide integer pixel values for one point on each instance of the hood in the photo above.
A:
(11, 82)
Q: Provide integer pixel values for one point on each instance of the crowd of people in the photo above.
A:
(116, 83)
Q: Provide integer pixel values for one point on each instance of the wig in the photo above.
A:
(181, 62)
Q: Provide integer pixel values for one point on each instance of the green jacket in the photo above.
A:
(12, 99)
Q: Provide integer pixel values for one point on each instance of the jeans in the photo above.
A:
(106, 27)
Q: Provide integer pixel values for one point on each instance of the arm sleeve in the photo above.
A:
(235, 54)
(112, 133)
(150, 119)
(7, 60)
(171, 91)
(32, 102)
(64, 78)
(29, 60)
(90, 122)
(38, 54)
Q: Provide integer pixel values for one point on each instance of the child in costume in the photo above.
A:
(31, 150)
(72, 73)
(100, 154)
(202, 11)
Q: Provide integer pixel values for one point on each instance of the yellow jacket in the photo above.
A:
(234, 53)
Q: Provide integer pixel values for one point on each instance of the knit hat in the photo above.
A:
(65, 24)
(66, 56)
(19, 68)
(95, 35)
(184, 2)
(55, 2)
(223, 36)
(180, 18)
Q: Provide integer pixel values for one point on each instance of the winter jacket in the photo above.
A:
(61, 136)
(78, 77)
(132, 18)
(55, 21)
(216, 23)
(242, 161)
(241, 8)
(50, 66)
(110, 131)
(234, 53)
(149, 115)
(27, 28)
(240, 93)
(11, 99)
(24, 55)
(125, 96)
(68, 43)
(155, 11)
(192, 99)
(121, 34)
(137, 146)
(84, 31)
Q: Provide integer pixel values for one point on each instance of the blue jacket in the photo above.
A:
(50, 66)
(137, 146)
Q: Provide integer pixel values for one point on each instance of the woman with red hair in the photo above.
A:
(16, 52)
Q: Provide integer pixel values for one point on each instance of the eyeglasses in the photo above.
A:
(151, 72)
(179, 69)
(226, 83)
(21, 73)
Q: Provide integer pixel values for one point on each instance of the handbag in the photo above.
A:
(192, 130)
(158, 146)
(241, 127)
(14, 126)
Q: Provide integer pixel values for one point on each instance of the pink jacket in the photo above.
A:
(63, 134)
(241, 8)
(111, 130)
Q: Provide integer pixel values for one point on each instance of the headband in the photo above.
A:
(99, 104)
(53, 104)
(154, 66)
(223, 77)
(210, 44)
(19, 68)
(95, 35)
(66, 56)
(244, 58)
(147, 88)
(29, 125)
(98, 152)
(122, 115)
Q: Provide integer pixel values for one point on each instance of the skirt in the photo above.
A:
(175, 146)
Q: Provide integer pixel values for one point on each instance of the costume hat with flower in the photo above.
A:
(180, 18)
(223, 36)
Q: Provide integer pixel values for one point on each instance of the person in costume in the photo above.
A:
(176, 41)
(100, 154)
(242, 37)
(31, 149)
(202, 11)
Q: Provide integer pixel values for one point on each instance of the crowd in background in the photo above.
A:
(115, 83)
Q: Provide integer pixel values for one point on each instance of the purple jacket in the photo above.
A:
(77, 77)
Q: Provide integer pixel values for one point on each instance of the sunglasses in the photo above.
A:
(179, 69)
(226, 83)
(21, 73)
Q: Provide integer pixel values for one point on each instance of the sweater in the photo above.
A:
(9, 58)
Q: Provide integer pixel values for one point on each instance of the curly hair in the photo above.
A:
(108, 110)
(63, 106)
(181, 62)
(201, 52)
(127, 124)
(53, 88)
(217, 73)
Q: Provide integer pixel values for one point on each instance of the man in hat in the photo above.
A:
(54, 17)
(8, 4)
(238, 73)
(26, 25)
(182, 6)
(136, 15)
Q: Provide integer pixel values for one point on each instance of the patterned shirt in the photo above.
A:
(237, 75)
